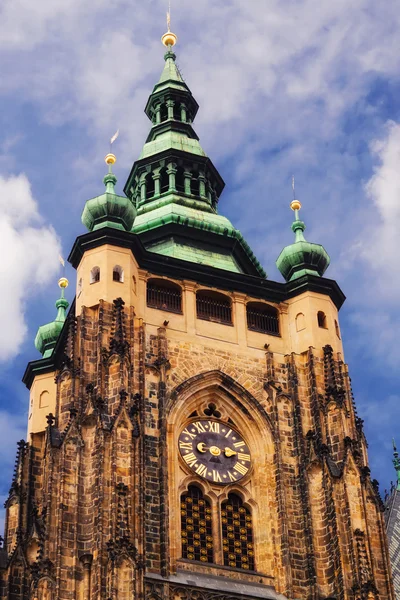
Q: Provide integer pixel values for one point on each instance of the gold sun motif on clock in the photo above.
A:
(214, 451)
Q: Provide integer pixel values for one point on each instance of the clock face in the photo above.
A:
(214, 451)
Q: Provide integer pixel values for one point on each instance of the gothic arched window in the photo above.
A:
(196, 530)
(237, 534)
(95, 275)
(118, 274)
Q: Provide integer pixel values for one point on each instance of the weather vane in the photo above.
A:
(169, 17)
(169, 39)
(294, 193)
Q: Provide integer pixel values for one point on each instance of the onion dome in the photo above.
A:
(302, 257)
(109, 209)
(47, 335)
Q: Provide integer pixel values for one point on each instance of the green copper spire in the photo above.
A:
(396, 463)
(47, 335)
(109, 209)
(302, 257)
(176, 188)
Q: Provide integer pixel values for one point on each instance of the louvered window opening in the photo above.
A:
(196, 532)
(164, 298)
(210, 308)
(237, 534)
(262, 321)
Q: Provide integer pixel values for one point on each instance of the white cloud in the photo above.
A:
(29, 251)
(382, 247)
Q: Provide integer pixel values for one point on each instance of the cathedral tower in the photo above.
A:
(192, 432)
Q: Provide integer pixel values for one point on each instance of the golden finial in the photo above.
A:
(295, 204)
(63, 282)
(169, 39)
(110, 159)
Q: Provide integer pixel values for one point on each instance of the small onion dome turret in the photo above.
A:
(47, 335)
(109, 209)
(302, 257)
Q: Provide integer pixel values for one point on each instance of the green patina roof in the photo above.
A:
(47, 335)
(109, 209)
(302, 257)
(172, 140)
(175, 141)
(171, 76)
(210, 254)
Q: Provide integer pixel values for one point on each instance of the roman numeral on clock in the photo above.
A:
(240, 468)
(231, 477)
(199, 427)
(190, 459)
(245, 457)
(214, 427)
(239, 444)
(216, 476)
(201, 470)
(187, 432)
(186, 445)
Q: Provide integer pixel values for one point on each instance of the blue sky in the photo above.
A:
(284, 87)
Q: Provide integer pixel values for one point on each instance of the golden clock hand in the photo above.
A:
(229, 452)
(201, 447)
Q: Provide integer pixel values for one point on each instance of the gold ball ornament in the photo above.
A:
(63, 282)
(110, 159)
(295, 205)
(169, 39)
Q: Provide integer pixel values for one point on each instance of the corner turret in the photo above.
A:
(109, 209)
(302, 257)
(47, 335)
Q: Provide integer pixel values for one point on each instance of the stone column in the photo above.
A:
(202, 185)
(239, 306)
(188, 178)
(158, 114)
(171, 171)
(190, 306)
(86, 560)
(183, 113)
(170, 106)
(142, 188)
(157, 178)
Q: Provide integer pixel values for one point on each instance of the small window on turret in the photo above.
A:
(80, 286)
(95, 275)
(337, 329)
(321, 316)
(118, 274)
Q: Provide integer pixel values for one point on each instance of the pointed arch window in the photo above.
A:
(237, 534)
(95, 275)
(196, 530)
(118, 274)
(321, 317)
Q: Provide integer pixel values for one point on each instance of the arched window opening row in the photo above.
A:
(117, 275)
(175, 179)
(212, 306)
(171, 109)
(235, 530)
